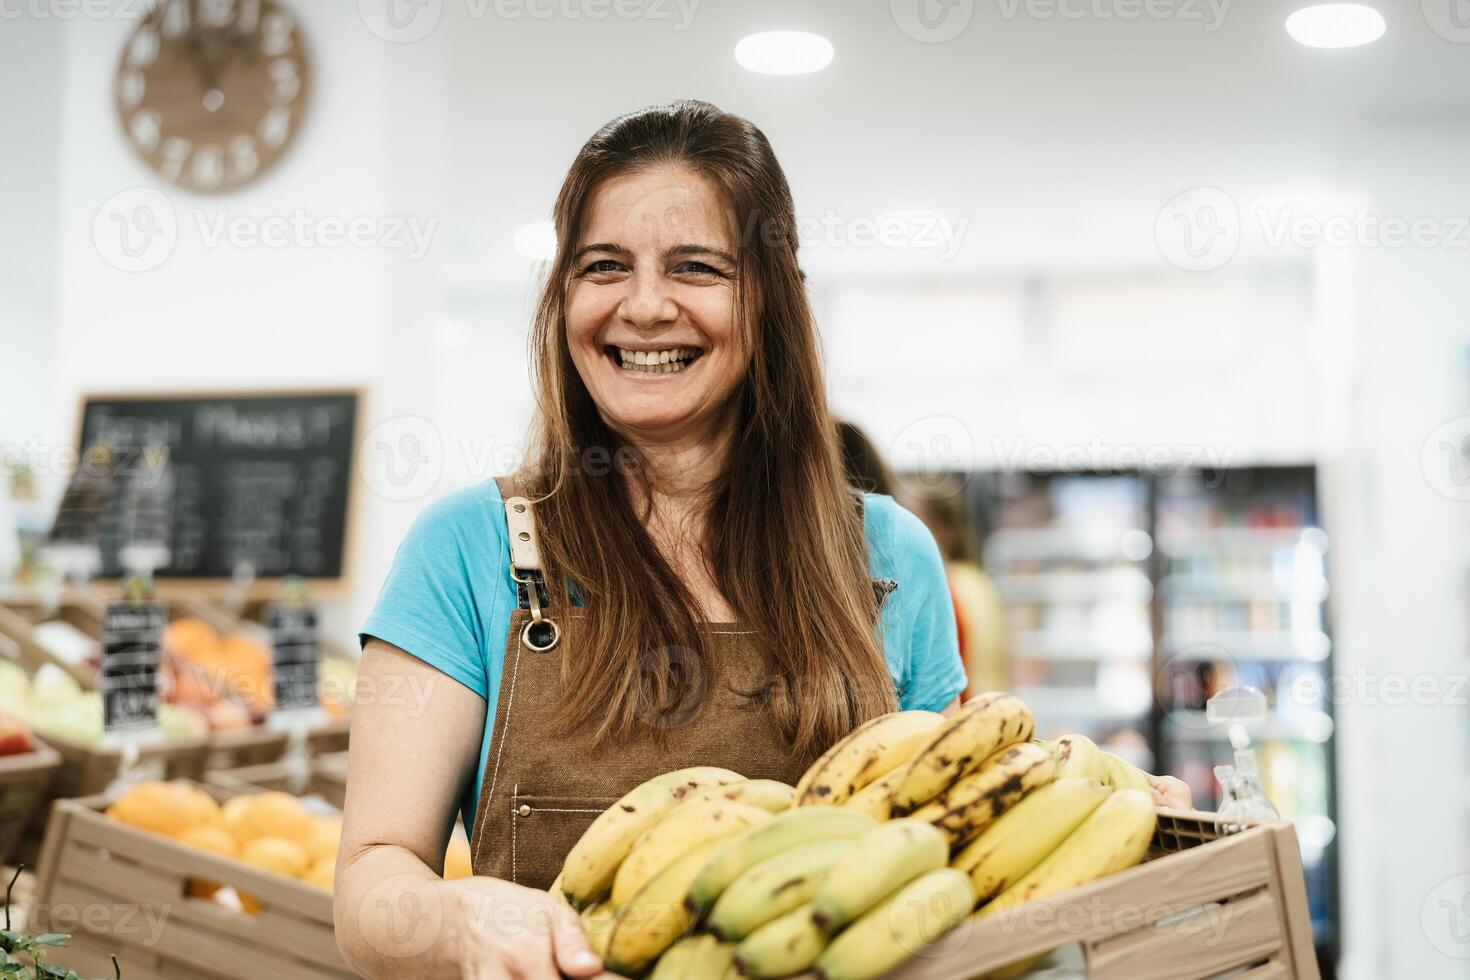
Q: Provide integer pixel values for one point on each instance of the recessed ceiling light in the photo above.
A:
(537, 241)
(1336, 25)
(784, 52)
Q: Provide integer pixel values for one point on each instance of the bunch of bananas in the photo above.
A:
(896, 834)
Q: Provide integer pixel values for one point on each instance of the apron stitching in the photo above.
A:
(504, 732)
(514, 832)
(552, 809)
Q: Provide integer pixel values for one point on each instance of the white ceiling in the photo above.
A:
(1053, 141)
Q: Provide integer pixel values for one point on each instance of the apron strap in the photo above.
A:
(541, 633)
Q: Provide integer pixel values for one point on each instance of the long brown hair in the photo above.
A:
(783, 537)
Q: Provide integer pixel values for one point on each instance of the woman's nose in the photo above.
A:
(648, 302)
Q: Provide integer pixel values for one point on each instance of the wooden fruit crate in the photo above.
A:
(24, 782)
(19, 618)
(119, 889)
(1204, 904)
(326, 777)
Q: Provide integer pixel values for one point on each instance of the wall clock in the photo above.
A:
(211, 92)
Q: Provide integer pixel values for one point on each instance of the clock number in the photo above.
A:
(243, 158)
(176, 151)
(145, 128)
(209, 167)
(285, 82)
(275, 127)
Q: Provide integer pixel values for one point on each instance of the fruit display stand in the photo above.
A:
(19, 618)
(1204, 904)
(119, 890)
(24, 782)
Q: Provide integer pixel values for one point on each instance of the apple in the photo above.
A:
(15, 738)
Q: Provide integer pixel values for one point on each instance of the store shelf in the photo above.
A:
(1310, 645)
(1187, 541)
(1068, 544)
(1075, 587)
(1076, 704)
(1235, 587)
(1059, 645)
(1190, 725)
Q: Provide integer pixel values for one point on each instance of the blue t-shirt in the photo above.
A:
(448, 600)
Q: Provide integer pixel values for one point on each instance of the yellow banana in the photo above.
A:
(915, 916)
(881, 860)
(1114, 836)
(876, 798)
(655, 917)
(674, 963)
(1123, 774)
(685, 828)
(712, 960)
(981, 726)
(782, 832)
(768, 794)
(597, 923)
(1078, 755)
(587, 874)
(1027, 833)
(773, 887)
(871, 750)
(973, 803)
(783, 947)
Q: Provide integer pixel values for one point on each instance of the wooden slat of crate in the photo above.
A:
(1225, 937)
(18, 622)
(24, 782)
(327, 778)
(294, 916)
(245, 747)
(330, 738)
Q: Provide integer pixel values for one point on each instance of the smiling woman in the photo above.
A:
(680, 575)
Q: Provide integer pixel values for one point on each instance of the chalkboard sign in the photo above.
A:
(223, 480)
(292, 628)
(131, 641)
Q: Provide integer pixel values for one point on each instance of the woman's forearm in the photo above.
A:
(391, 917)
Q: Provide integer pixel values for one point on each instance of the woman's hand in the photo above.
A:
(1170, 792)
(502, 930)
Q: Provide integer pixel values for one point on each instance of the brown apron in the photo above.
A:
(542, 789)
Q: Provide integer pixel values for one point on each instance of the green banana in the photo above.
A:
(973, 803)
(783, 947)
(1027, 833)
(881, 860)
(685, 828)
(587, 874)
(982, 725)
(655, 917)
(869, 751)
(768, 794)
(916, 915)
(773, 887)
(782, 832)
(1114, 836)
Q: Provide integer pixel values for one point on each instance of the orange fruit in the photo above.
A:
(215, 840)
(164, 808)
(284, 857)
(189, 638)
(457, 858)
(326, 833)
(321, 873)
(268, 814)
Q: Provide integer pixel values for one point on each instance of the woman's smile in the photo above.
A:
(655, 362)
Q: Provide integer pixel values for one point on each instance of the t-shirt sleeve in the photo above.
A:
(930, 673)
(428, 605)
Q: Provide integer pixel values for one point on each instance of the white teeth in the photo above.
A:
(657, 362)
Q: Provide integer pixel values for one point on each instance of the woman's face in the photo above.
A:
(650, 306)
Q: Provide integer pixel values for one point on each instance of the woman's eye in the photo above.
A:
(601, 266)
(698, 268)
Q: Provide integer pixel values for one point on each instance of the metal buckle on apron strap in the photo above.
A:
(540, 633)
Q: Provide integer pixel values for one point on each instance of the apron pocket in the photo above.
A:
(543, 830)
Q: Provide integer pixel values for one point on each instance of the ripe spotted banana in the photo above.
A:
(1027, 833)
(881, 860)
(685, 828)
(981, 726)
(869, 751)
(783, 947)
(974, 803)
(1114, 836)
(655, 917)
(1078, 755)
(773, 887)
(587, 874)
(1124, 775)
(768, 794)
(876, 798)
(782, 832)
(916, 915)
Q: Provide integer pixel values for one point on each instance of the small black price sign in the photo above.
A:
(293, 630)
(131, 634)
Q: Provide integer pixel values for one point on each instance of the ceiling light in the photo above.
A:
(1336, 25)
(537, 241)
(784, 52)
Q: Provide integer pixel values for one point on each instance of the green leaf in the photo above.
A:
(53, 939)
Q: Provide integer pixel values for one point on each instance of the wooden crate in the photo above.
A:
(24, 782)
(119, 889)
(19, 618)
(326, 777)
(1202, 905)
